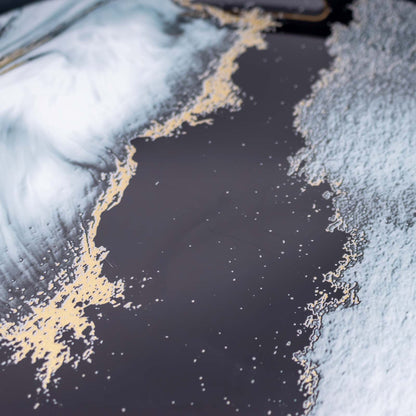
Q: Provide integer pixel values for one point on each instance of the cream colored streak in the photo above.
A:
(218, 90)
(40, 334)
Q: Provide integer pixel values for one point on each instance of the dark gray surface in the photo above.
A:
(193, 238)
(299, 6)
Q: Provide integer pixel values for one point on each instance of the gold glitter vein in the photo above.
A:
(218, 90)
(41, 335)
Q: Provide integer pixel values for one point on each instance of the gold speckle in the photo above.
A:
(218, 89)
(40, 333)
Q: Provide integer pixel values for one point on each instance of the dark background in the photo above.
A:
(340, 11)
(206, 208)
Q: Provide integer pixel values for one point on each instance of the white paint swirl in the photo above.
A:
(69, 108)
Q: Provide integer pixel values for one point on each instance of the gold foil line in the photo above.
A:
(11, 57)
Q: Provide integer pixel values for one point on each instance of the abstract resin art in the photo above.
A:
(80, 80)
(100, 74)
(360, 131)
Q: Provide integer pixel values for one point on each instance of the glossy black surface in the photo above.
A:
(204, 209)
